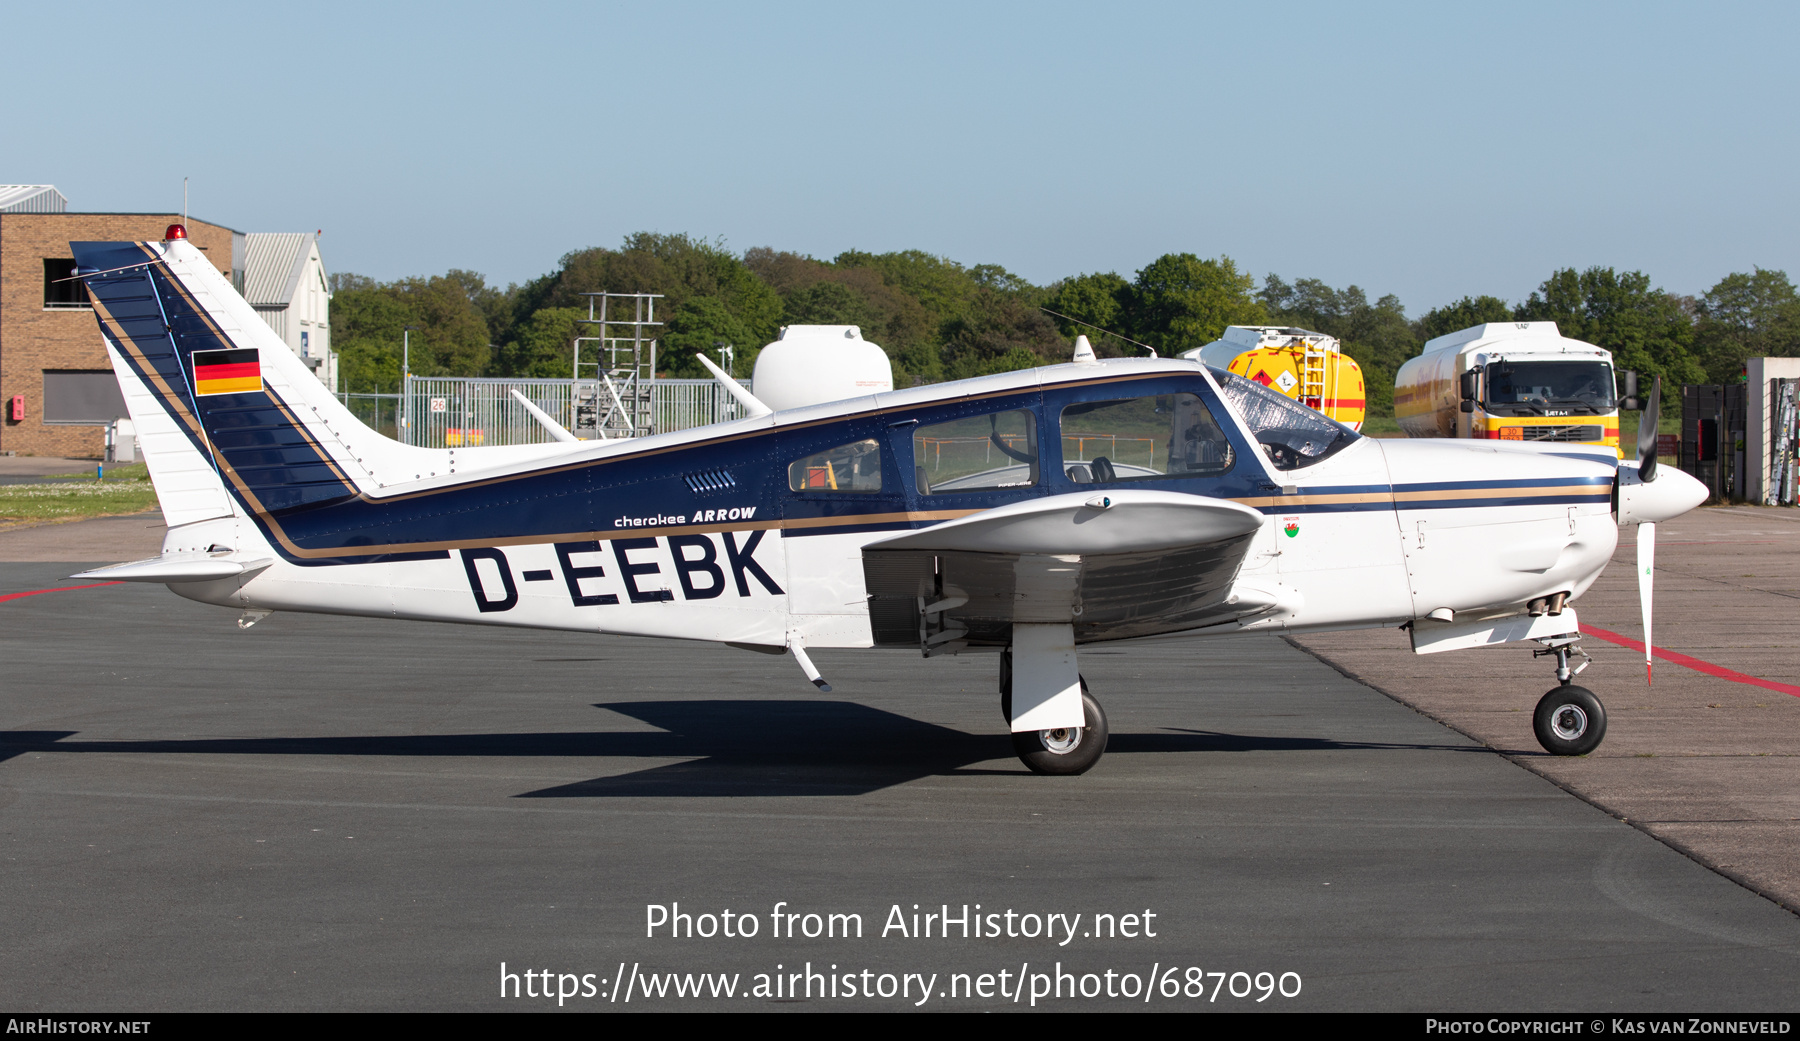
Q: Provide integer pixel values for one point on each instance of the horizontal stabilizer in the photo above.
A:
(177, 569)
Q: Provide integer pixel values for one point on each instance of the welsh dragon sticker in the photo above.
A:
(1290, 526)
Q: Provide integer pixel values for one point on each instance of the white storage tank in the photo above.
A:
(811, 364)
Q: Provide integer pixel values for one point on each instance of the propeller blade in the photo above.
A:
(1646, 567)
(1647, 435)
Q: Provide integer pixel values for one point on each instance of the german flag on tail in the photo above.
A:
(236, 371)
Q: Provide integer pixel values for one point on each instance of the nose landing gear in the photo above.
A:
(1569, 719)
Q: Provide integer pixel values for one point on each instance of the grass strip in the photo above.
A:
(75, 500)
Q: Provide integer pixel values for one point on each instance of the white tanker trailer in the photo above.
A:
(1509, 381)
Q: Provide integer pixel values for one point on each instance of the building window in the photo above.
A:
(62, 291)
(81, 396)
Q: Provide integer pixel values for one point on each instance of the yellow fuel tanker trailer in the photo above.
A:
(1509, 381)
(1300, 363)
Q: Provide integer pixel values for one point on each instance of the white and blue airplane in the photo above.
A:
(1028, 514)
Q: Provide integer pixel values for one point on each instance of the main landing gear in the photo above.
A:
(1058, 750)
(1569, 720)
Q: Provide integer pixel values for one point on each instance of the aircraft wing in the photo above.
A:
(1115, 565)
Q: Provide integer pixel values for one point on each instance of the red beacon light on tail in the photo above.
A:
(176, 231)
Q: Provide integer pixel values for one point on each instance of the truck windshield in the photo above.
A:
(1532, 386)
(1292, 434)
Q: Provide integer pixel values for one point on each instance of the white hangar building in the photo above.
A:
(32, 198)
(284, 279)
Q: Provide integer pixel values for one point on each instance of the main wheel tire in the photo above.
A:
(1569, 721)
(1067, 751)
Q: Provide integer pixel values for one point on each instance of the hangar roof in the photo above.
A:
(31, 198)
(273, 265)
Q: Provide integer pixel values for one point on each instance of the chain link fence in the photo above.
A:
(378, 412)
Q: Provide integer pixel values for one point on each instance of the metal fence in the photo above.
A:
(378, 412)
(682, 404)
(458, 413)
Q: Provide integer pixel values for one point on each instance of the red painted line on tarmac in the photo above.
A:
(60, 589)
(1693, 663)
(1721, 542)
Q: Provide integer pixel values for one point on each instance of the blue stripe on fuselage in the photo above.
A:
(1550, 491)
(1521, 500)
(1530, 482)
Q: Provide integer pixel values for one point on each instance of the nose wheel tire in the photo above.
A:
(1073, 750)
(1569, 721)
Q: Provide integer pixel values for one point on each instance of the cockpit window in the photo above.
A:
(977, 453)
(1292, 434)
(1142, 439)
(851, 468)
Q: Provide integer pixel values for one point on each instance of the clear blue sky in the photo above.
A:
(1429, 150)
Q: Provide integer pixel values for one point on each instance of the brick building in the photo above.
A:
(56, 385)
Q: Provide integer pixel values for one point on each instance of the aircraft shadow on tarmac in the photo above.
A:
(728, 748)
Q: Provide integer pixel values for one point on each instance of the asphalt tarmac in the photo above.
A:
(338, 814)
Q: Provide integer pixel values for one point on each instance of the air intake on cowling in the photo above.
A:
(708, 482)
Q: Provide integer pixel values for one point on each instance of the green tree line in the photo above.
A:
(939, 319)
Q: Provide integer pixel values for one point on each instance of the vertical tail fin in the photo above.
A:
(230, 419)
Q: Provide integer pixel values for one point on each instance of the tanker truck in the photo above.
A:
(1305, 365)
(1509, 381)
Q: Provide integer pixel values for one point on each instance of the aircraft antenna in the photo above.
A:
(1097, 329)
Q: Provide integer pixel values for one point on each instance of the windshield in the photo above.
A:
(1292, 434)
(1537, 386)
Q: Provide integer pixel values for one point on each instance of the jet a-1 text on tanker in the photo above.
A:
(1028, 514)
